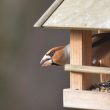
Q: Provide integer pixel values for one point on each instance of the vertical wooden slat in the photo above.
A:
(80, 54)
(105, 61)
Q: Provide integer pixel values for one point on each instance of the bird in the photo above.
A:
(60, 55)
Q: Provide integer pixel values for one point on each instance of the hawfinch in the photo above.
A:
(60, 55)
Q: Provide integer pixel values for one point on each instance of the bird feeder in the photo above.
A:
(82, 18)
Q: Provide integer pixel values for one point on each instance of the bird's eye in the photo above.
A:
(52, 53)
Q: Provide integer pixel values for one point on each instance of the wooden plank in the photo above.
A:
(94, 14)
(87, 69)
(86, 99)
(48, 13)
(80, 54)
(105, 61)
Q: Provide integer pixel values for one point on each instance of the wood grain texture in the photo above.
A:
(87, 69)
(86, 99)
(94, 14)
(105, 61)
(48, 13)
(80, 54)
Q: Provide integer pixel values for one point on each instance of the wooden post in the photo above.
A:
(104, 62)
(80, 54)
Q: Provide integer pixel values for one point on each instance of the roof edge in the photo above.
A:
(48, 13)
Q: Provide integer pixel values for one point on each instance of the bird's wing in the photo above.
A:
(99, 39)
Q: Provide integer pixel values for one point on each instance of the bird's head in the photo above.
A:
(53, 57)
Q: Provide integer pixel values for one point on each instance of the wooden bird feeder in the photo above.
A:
(82, 17)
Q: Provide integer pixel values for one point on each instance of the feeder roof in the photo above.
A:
(78, 14)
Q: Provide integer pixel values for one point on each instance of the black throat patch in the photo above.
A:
(53, 63)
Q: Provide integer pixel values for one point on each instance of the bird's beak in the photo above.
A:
(46, 61)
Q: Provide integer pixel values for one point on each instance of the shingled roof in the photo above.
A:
(78, 14)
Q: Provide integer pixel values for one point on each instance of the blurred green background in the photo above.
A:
(24, 84)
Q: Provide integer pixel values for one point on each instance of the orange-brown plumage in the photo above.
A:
(57, 58)
(55, 49)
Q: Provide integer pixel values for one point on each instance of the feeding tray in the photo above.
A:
(86, 99)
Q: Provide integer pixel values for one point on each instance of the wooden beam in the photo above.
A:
(87, 69)
(80, 54)
(48, 13)
(86, 99)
